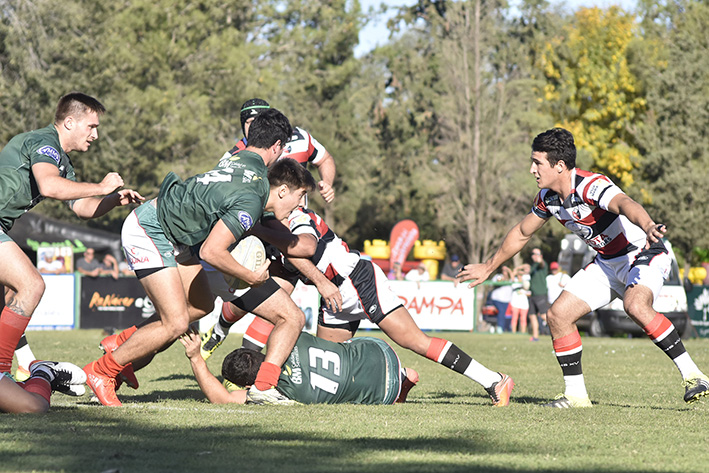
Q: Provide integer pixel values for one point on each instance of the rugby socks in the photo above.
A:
(257, 334)
(108, 366)
(664, 335)
(37, 385)
(24, 354)
(267, 376)
(449, 355)
(125, 335)
(12, 327)
(568, 351)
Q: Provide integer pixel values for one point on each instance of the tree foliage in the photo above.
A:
(674, 136)
(591, 91)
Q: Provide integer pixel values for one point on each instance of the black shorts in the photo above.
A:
(538, 304)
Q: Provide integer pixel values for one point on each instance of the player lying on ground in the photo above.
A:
(203, 217)
(632, 262)
(32, 395)
(365, 293)
(363, 370)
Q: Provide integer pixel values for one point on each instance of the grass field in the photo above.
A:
(639, 422)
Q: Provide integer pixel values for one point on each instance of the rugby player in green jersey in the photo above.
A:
(35, 166)
(203, 217)
(363, 370)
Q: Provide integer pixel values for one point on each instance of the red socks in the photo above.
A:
(124, 335)
(435, 349)
(12, 326)
(37, 385)
(108, 365)
(267, 376)
(259, 331)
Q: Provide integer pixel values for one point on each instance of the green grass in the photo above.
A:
(639, 422)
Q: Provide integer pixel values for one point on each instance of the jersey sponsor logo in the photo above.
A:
(245, 219)
(296, 371)
(49, 151)
(248, 176)
(372, 309)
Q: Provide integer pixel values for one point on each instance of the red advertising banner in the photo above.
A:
(402, 239)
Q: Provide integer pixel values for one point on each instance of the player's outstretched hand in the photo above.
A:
(331, 295)
(129, 196)
(111, 182)
(326, 191)
(190, 340)
(475, 273)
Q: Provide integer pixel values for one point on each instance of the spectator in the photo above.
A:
(451, 269)
(395, 272)
(538, 288)
(124, 268)
(519, 304)
(500, 297)
(47, 264)
(87, 265)
(108, 266)
(418, 274)
(556, 282)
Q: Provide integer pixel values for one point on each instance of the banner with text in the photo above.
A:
(116, 303)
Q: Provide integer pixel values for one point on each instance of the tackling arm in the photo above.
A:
(208, 383)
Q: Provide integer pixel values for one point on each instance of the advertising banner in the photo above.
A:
(698, 308)
(436, 305)
(116, 303)
(402, 239)
(56, 309)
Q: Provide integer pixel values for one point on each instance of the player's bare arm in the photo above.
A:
(327, 170)
(636, 213)
(53, 186)
(327, 289)
(208, 383)
(277, 234)
(93, 207)
(215, 251)
(514, 241)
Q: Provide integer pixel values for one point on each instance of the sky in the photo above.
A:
(376, 34)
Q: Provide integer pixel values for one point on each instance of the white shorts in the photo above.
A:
(605, 279)
(145, 244)
(365, 295)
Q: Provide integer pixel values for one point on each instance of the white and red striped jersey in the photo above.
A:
(585, 212)
(303, 148)
(333, 256)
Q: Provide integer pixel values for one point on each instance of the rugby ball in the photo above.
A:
(250, 253)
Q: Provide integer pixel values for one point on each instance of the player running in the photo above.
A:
(632, 262)
(205, 216)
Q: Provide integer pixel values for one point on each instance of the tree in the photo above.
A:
(591, 91)
(674, 139)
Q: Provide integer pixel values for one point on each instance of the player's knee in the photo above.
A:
(34, 405)
(634, 306)
(175, 328)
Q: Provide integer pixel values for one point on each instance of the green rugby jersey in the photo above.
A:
(18, 188)
(363, 370)
(235, 191)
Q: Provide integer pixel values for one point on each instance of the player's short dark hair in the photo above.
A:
(558, 144)
(291, 173)
(251, 108)
(77, 104)
(269, 127)
(241, 366)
